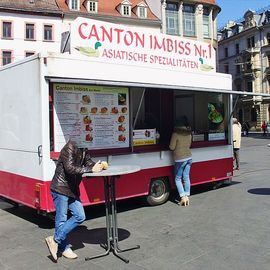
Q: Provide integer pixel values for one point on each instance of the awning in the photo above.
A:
(151, 85)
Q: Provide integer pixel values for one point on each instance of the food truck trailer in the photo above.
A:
(118, 92)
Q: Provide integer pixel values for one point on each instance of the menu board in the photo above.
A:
(96, 117)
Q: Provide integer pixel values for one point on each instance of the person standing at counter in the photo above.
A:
(72, 163)
(180, 145)
(236, 142)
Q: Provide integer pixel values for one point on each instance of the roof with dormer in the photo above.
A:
(108, 7)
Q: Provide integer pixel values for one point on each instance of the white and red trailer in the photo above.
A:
(118, 93)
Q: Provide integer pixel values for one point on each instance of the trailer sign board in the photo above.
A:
(130, 45)
(93, 116)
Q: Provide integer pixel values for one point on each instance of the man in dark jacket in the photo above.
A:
(72, 163)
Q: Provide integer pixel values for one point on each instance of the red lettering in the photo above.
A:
(198, 51)
(157, 45)
(80, 30)
(118, 31)
(139, 39)
(181, 47)
(128, 38)
(169, 45)
(187, 49)
(93, 33)
(106, 34)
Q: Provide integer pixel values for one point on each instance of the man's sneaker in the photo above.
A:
(69, 254)
(52, 245)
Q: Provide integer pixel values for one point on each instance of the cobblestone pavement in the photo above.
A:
(223, 229)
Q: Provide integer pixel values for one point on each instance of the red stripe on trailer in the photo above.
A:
(36, 193)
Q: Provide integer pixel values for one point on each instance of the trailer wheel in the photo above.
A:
(159, 191)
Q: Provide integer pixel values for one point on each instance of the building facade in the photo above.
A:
(26, 27)
(244, 52)
(188, 18)
(30, 26)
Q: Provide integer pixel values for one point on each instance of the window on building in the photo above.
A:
(7, 30)
(172, 21)
(27, 54)
(251, 42)
(48, 33)
(30, 31)
(237, 48)
(189, 20)
(126, 10)
(226, 68)
(238, 69)
(142, 12)
(226, 54)
(74, 5)
(92, 6)
(238, 87)
(249, 86)
(253, 113)
(206, 22)
(6, 57)
(268, 38)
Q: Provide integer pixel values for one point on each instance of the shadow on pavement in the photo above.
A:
(95, 211)
(205, 188)
(259, 191)
(82, 235)
(32, 216)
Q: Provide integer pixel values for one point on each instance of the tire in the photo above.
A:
(159, 191)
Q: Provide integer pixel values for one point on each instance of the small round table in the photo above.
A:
(109, 176)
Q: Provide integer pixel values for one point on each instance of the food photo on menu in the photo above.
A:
(94, 110)
(124, 110)
(83, 110)
(104, 110)
(114, 110)
(121, 128)
(122, 99)
(86, 99)
(121, 138)
(88, 137)
(121, 118)
(87, 120)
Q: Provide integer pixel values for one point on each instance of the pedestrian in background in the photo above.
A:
(236, 142)
(72, 163)
(264, 128)
(246, 128)
(180, 145)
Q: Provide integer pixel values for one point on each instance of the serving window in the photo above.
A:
(157, 111)
(113, 120)
(206, 113)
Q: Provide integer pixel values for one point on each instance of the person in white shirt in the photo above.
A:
(236, 142)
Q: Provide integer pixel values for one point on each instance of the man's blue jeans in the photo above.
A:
(64, 226)
(182, 170)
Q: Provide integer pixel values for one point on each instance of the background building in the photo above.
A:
(26, 27)
(30, 26)
(244, 52)
(188, 18)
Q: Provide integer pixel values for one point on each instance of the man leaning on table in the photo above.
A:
(72, 163)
